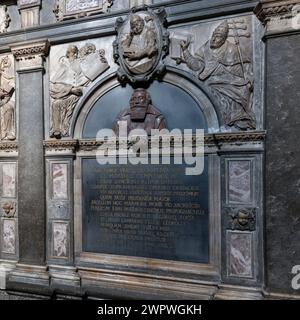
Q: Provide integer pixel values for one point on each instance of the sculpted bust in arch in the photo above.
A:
(141, 114)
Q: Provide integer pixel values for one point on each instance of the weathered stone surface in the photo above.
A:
(282, 161)
(31, 191)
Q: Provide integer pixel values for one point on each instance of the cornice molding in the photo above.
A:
(8, 146)
(267, 10)
(60, 145)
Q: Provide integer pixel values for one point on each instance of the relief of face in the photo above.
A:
(139, 104)
(137, 25)
(243, 218)
(217, 40)
(72, 53)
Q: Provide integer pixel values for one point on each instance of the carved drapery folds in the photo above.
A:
(7, 98)
(77, 69)
(72, 9)
(4, 19)
(141, 45)
(226, 67)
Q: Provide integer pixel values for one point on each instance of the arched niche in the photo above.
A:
(183, 103)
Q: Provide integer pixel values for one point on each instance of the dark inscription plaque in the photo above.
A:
(151, 211)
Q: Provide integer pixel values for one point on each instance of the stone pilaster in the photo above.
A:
(31, 174)
(282, 78)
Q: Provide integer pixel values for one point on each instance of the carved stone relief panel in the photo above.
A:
(9, 236)
(9, 209)
(7, 98)
(141, 45)
(4, 19)
(241, 219)
(240, 254)
(8, 180)
(70, 9)
(220, 54)
(73, 68)
(60, 239)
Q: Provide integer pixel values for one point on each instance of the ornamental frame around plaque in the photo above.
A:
(212, 268)
(159, 19)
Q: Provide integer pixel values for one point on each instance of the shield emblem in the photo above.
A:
(92, 66)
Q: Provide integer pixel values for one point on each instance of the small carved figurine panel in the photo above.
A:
(70, 9)
(4, 19)
(243, 219)
(73, 68)
(141, 45)
(220, 55)
(7, 98)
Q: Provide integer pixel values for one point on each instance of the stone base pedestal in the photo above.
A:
(29, 278)
(5, 268)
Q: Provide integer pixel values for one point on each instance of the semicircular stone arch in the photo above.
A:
(183, 103)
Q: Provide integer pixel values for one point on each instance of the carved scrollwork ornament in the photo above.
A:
(141, 45)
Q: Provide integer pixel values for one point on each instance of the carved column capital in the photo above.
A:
(30, 56)
(279, 16)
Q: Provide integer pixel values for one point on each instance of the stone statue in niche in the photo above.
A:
(7, 105)
(141, 45)
(77, 69)
(227, 72)
(141, 114)
(4, 19)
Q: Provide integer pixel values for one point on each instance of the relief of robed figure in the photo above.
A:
(77, 69)
(221, 64)
(7, 103)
